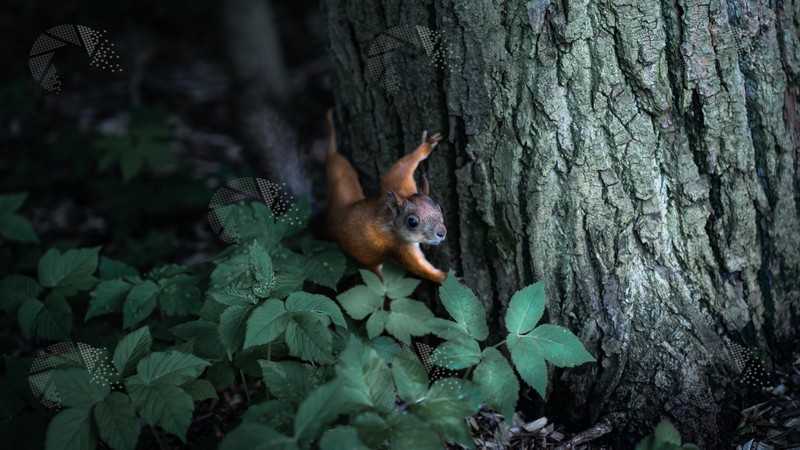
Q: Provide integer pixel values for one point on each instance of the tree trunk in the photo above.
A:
(639, 157)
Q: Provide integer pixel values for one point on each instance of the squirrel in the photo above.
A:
(390, 225)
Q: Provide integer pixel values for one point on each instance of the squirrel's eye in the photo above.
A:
(412, 222)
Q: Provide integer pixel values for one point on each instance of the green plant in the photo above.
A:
(330, 380)
(664, 437)
(13, 226)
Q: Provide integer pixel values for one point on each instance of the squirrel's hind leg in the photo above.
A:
(343, 185)
(400, 178)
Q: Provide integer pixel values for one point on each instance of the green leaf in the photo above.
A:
(367, 379)
(444, 408)
(220, 374)
(12, 202)
(408, 318)
(527, 358)
(360, 301)
(288, 380)
(309, 338)
(70, 429)
(77, 388)
(457, 355)
(277, 414)
(410, 378)
(27, 314)
(408, 432)
(260, 263)
(234, 297)
(140, 302)
(447, 329)
(55, 320)
(163, 404)
(341, 438)
(667, 433)
(16, 228)
(373, 282)
(464, 307)
(395, 285)
(525, 308)
(255, 436)
(108, 297)
(231, 272)
(130, 349)
(112, 269)
(117, 422)
(200, 389)
(204, 334)
(303, 301)
(320, 408)
(372, 428)
(15, 289)
(377, 323)
(232, 327)
(497, 383)
(266, 323)
(69, 273)
(324, 263)
(559, 346)
(171, 366)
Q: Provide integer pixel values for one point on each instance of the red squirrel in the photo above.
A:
(391, 225)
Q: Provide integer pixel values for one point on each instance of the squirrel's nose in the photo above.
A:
(441, 231)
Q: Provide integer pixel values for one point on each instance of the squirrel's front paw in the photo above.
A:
(433, 140)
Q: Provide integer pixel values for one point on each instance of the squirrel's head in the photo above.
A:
(417, 218)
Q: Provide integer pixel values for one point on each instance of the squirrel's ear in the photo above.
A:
(394, 202)
(425, 187)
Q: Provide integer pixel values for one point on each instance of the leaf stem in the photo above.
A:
(158, 439)
(244, 387)
(499, 343)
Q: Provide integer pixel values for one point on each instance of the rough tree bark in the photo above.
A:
(641, 157)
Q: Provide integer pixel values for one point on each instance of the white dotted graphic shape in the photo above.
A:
(68, 354)
(221, 210)
(379, 67)
(100, 51)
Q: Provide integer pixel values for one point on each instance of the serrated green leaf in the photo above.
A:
(462, 305)
(171, 366)
(458, 354)
(204, 334)
(408, 318)
(497, 383)
(411, 379)
(234, 297)
(200, 389)
(69, 273)
(131, 349)
(395, 285)
(76, 387)
(70, 429)
(303, 301)
(309, 337)
(266, 323)
(233, 326)
(255, 436)
(667, 433)
(117, 422)
(366, 377)
(140, 302)
(55, 320)
(525, 308)
(232, 272)
(444, 408)
(277, 414)
(371, 428)
(220, 374)
(260, 263)
(288, 380)
(324, 263)
(377, 323)
(16, 228)
(26, 316)
(409, 432)
(341, 438)
(360, 301)
(112, 269)
(529, 361)
(447, 329)
(319, 409)
(108, 297)
(373, 282)
(15, 289)
(163, 404)
(558, 345)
